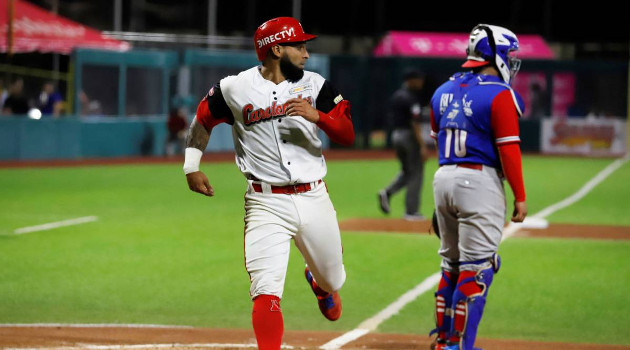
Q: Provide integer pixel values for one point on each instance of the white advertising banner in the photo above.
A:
(589, 136)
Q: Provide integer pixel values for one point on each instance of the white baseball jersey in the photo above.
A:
(270, 146)
(273, 149)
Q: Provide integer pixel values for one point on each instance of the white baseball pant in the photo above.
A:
(272, 220)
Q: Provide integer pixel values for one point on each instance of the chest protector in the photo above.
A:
(462, 108)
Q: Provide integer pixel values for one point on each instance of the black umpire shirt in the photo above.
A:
(404, 108)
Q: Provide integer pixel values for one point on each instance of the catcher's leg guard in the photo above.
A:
(469, 300)
(443, 310)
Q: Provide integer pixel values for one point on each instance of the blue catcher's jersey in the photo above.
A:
(461, 108)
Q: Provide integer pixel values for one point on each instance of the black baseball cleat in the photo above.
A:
(383, 201)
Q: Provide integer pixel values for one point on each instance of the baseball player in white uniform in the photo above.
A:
(276, 110)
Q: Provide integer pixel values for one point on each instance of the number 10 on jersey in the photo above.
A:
(460, 142)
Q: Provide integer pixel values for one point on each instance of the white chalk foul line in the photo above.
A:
(126, 346)
(430, 282)
(601, 176)
(345, 338)
(513, 227)
(178, 345)
(91, 325)
(57, 224)
(373, 322)
(149, 346)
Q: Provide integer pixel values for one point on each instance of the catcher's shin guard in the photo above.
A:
(469, 300)
(443, 310)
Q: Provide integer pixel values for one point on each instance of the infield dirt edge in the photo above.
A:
(128, 338)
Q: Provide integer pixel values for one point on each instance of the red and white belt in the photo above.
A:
(474, 166)
(288, 189)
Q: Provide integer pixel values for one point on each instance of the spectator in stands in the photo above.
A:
(576, 110)
(50, 102)
(16, 102)
(3, 92)
(176, 124)
(88, 106)
(538, 107)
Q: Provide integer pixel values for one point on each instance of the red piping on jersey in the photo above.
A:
(337, 124)
(244, 246)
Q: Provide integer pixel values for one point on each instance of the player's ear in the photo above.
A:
(275, 50)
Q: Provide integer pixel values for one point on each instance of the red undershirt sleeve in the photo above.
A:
(205, 117)
(337, 124)
(510, 155)
(434, 127)
(504, 125)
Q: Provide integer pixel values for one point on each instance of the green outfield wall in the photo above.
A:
(74, 138)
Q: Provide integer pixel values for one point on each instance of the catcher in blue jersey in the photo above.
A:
(474, 119)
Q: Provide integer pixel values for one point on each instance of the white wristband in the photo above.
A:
(192, 160)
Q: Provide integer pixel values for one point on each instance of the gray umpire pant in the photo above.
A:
(412, 172)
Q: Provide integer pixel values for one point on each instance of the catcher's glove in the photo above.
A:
(434, 224)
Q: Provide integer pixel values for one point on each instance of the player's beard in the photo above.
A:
(289, 70)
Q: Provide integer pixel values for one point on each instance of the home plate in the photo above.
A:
(535, 223)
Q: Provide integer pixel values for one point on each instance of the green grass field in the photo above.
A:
(161, 254)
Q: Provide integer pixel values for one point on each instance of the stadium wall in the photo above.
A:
(75, 138)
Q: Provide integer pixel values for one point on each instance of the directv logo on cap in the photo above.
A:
(276, 37)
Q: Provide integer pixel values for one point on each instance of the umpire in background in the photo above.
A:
(404, 120)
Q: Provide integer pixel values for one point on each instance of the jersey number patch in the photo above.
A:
(458, 137)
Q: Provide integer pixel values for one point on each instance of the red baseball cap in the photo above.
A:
(276, 31)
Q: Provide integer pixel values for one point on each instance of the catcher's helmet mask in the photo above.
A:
(483, 50)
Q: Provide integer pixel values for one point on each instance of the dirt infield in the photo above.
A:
(127, 338)
(552, 231)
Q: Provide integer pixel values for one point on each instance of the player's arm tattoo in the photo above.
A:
(198, 136)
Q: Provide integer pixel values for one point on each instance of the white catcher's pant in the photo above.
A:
(272, 220)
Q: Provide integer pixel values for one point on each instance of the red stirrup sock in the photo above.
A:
(267, 321)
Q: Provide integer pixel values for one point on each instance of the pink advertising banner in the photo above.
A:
(563, 93)
(532, 87)
(452, 45)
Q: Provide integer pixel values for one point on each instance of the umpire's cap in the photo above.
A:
(412, 73)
